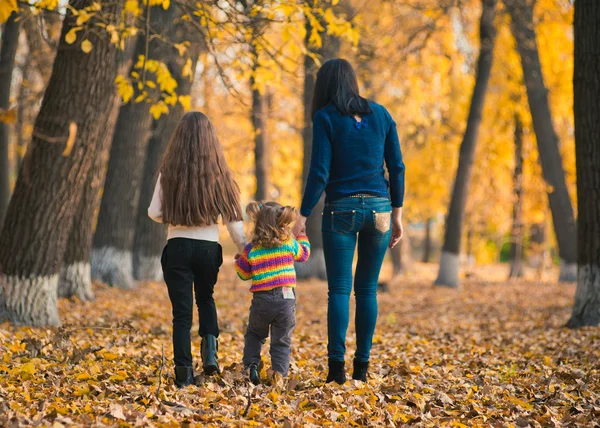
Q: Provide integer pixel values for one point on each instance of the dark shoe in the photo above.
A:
(360, 370)
(337, 372)
(210, 346)
(253, 373)
(184, 376)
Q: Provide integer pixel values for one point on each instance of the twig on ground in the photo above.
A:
(162, 366)
(245, 412)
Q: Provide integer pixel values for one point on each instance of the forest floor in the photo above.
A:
(489, 354)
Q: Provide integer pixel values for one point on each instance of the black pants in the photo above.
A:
(187, 262)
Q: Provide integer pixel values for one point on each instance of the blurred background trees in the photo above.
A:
(80, 192)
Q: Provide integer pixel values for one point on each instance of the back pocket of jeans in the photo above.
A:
(342, 221)
(382, 221)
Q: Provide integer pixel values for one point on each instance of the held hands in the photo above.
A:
(397, 228)
(299, 226)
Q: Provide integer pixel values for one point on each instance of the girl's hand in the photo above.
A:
(299, 226)
(397, 228)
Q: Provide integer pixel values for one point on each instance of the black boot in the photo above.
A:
(253, 373)
(337, 372)
(184, 376)
(210, 346)
(360, 370)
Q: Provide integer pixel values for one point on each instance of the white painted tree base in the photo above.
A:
(568, 272)
(314, 267)
(112, 267)
(76, 280)
(147, 268)
(586, 310)
(448, 274)
(29, 301)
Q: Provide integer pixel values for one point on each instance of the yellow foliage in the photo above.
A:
(7, 7)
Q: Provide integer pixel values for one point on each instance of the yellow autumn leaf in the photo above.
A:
(6, 9)
(186, 71)
(8, 116)
(522, 403)
(28, 368)
(158, 109)
(110, 356)
(71, 35)
(71, 139)
(185, 101)
(86, 46)
(81, 391)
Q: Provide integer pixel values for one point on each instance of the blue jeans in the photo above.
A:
(346, 221)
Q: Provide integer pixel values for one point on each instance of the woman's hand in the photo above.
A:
(299, 226)
(397, 229)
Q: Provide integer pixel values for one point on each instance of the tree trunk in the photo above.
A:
(261, 145)
(50, 184)
(75, 273)
(586, 85)
(315, 267)
(41, 54)
(516, 241)
(521, 12)
(427, 241)
(449, 262)
(111, 258)
(8, 51)
(150, 237)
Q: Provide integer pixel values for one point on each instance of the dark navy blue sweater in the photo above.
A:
(348, 157)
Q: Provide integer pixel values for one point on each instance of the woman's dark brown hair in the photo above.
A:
(197, 185)
(271, 223)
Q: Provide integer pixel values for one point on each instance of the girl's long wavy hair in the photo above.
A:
(197, 184)
(272, 223)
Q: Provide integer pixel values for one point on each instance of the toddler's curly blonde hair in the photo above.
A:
(272, 223)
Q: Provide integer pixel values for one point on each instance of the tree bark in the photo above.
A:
(261, 145)
(516, 241)
(449, 262)
(586, 85)
(427, 241)
(8, 51)
(111, 258)
(521, 12)
(75, 274)
(315, 267)
(50, 184)
(150, 237)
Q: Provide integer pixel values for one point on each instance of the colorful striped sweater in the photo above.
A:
(269, 268)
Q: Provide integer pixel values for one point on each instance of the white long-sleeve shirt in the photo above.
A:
(205, 233)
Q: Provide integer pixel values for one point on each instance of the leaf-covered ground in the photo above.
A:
(491, 354)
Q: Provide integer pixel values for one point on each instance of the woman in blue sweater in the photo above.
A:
(354, 141)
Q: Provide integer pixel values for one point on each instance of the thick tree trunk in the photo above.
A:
(75, 273)
(449, 262)
(586, 85)
(427, 241)
(8, 51)
(521, 12)
(150, 237)
(516, 236)
(50, 184)
(315, 267)
(111, 258)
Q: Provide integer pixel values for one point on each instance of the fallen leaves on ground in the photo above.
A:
(486, 355)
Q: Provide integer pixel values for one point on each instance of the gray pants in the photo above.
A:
(270, 310)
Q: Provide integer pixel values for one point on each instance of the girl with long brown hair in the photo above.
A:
(195, 188)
